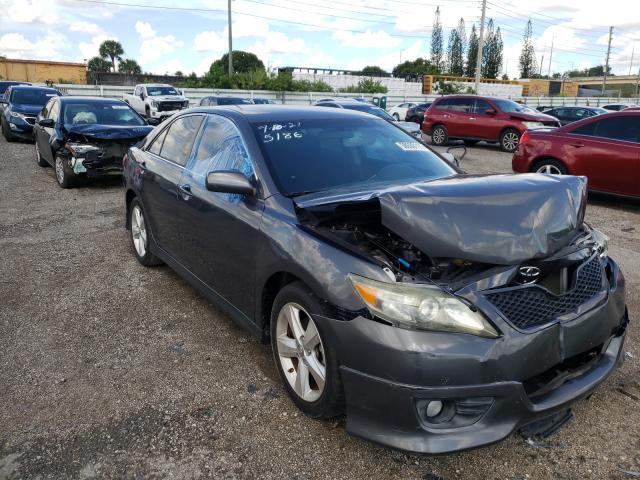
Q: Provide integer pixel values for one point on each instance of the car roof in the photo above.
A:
(281, 113)
(32, 87)
(81, 99)
(155, 85)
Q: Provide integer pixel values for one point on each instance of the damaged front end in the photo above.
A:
(501, 307)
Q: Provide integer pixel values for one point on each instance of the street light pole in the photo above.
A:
(480, 45)
(606, 66)
(230, 42)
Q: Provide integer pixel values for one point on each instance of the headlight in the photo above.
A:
(18, 115)
(601, 240)
(533, 124)
(185, 104)
(80, 150)
(422, 307)
(154, 104)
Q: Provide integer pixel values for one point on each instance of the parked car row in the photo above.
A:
(373, 266)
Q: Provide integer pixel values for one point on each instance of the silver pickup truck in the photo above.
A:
(156, 100)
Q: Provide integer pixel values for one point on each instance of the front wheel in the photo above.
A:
(303, 355)
(397, 117)
(509, 140)
(439, 136)
(550, 167)
(64, 174)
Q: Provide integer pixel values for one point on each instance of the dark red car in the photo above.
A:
(473, 118)
(605, 149)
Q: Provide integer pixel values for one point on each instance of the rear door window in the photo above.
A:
(461, 105)
(179, 139)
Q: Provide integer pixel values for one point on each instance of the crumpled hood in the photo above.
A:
(108, 132)
(496, 219)
(26, 109)
(533, 117)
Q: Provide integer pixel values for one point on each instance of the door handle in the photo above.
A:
(577, 145)
(185, 191)
(472, 118)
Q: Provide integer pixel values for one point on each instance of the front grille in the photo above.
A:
(169, 106)
(531, 305)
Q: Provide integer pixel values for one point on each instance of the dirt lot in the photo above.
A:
(108, 369)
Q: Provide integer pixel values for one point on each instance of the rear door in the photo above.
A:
(607, 151)
(163, 162)
(221, 230)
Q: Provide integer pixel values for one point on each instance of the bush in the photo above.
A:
(367, 85)
(254, 80)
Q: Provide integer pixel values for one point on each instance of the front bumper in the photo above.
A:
(21, 128)
(163, 114)
(389, 374)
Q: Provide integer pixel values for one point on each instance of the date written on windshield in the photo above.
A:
(276, 132)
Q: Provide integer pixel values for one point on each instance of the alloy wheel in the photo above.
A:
(549, 169)
(510, 141)
(300, 351)
(438, 136)
(138, 231)
(59, 170)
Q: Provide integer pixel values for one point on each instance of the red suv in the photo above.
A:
(472, 119)
(605, 149)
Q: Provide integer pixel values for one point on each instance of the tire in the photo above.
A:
(39, 160)
(471, 143)
(509, 140)
(440, 136)
(140, 235)
(550, 166)
(64, 174)
(397, 117)
(147, 111)
(294, 305)
(6, 133)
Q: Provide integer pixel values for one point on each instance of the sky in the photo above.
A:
(342, 34)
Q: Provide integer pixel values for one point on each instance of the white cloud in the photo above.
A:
(170, 67)
(209, 42)
(390, 60)
(15, 45)
(85, 27)
(153, 46)
(91, 49)
(368, 39)
(29, 11)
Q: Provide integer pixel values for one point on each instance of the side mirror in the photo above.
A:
(490, 111)
(153, 121)
(142, 96)
(229, 181)
(46, 123)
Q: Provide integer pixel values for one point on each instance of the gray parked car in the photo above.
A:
(440, 311)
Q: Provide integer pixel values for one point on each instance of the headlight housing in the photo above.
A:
(420, 306)
(154, 104)
(185, 104)
(80, 150)
(18, 115)
(533, 124)
(601, 240)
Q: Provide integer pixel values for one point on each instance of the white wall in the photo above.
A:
(396, 86)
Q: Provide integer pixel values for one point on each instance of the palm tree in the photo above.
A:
(112, 49)
(129, 66)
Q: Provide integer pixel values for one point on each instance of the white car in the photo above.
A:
(156, 100)
(399, 112)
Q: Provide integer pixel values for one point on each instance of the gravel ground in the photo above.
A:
(109, 369)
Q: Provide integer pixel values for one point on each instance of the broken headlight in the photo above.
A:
(533, 124)
(601, 240)
(420, 306)
(80, 150)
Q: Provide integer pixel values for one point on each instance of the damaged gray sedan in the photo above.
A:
(439, 311)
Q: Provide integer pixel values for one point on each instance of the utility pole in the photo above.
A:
(480, 46)
(541, 63)
(633, 50)
(230, 42)
(606, 65)
(550, 57)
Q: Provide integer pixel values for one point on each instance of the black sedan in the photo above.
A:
(416, 114)
(568, 115)
(391, 286)
(86, 136)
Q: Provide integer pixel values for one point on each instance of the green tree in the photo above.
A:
(366, 85)
(113, 50)
(243, 62)
(129, 66)
(179, 74)
(493, 52)
(437, 48)
(528, 63)
(456, 49)
(472, 53)
(374, 71)
(98, 65)
(419, 66)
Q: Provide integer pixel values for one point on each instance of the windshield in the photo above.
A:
(157, 91)
(232, 101)
(27, 96)
(509, 106)
(378, 112)
(599, 110)
(322, 154)
(102, 113)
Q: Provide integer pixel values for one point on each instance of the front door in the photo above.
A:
(44, 136)
(221, 231)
